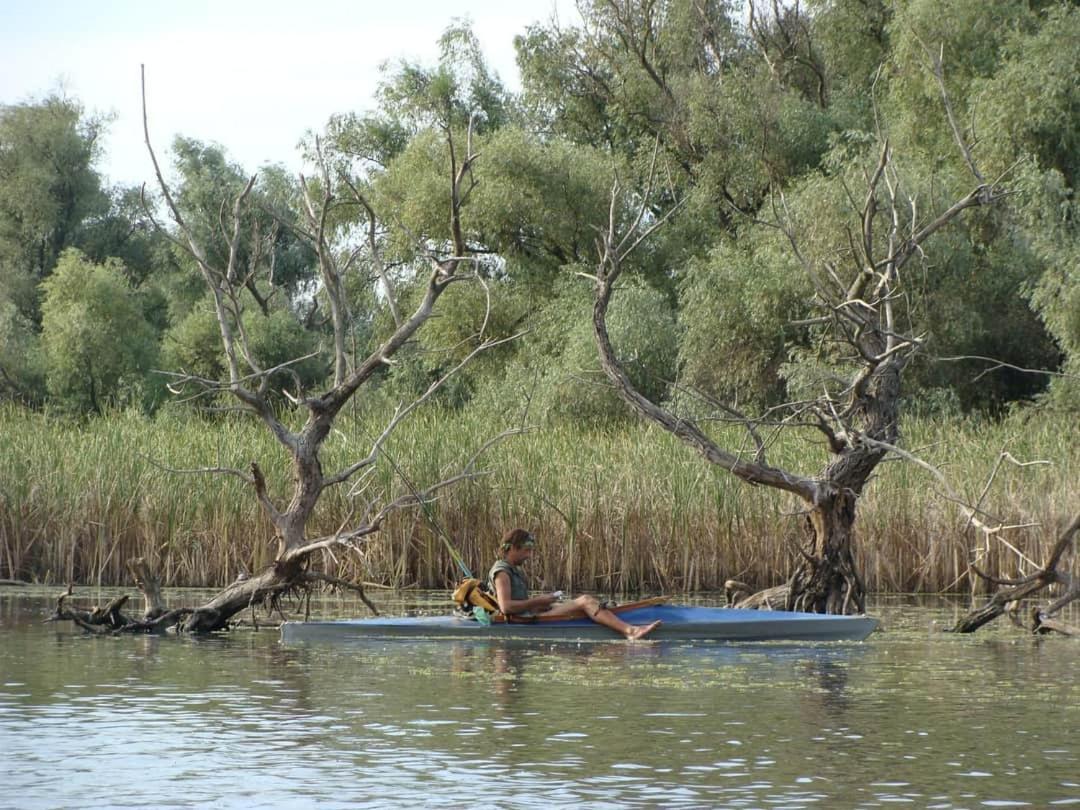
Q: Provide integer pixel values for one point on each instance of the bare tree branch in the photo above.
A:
(401, 413)
(1047, 574)
(999, 364)
(376, 255)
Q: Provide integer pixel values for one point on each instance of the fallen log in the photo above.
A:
(102, 620)
(1044, 624)
(284, 578)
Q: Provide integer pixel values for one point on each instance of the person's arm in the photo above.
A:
(511, 606)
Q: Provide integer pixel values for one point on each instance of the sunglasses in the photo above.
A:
(528, 542)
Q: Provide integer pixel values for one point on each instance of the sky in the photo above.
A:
(250, 75)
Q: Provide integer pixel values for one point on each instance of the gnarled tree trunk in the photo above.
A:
(827, 580)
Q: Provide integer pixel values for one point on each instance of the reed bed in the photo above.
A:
(624, 509)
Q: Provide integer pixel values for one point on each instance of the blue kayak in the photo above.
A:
(679, 623)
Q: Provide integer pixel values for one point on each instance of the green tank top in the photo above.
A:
(519, 586)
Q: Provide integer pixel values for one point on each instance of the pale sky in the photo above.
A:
(250, 75)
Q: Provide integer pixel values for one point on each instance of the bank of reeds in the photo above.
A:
(617, 510)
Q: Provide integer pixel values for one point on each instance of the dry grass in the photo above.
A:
(623, 510)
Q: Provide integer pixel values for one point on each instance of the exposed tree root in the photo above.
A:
(1013, 591)
(355, 587)
(826, 586)
(818, 589)
(826, 580)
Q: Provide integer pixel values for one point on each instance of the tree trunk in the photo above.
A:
(150, 586)
(275, 581)
(826, 580)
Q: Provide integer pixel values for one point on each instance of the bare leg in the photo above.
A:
(632, 631)
(600, 615)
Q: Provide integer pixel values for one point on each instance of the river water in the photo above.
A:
(912, 716)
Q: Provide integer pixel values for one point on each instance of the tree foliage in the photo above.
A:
(53, 199)
(742, 118)
(98, 347)
(49, 190)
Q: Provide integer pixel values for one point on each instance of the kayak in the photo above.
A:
(679, 623)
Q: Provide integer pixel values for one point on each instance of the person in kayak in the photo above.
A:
(512, 590)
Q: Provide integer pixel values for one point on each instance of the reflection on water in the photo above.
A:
(910, 716)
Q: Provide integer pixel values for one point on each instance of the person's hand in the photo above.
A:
(546, 600)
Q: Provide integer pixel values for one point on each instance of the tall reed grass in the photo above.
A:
(624, 509)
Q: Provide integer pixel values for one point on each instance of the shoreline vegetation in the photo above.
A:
(624, 509)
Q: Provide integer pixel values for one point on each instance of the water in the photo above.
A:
(911, 717)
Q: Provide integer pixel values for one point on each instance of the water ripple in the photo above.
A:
(244, 722)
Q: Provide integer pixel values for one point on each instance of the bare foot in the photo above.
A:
(640, 631)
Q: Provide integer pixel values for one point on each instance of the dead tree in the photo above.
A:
(249, 383)
(1013, 592)
(857, 302)
(109, 620)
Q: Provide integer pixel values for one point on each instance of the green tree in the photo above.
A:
(852, 37)
(52, 199)
(274, 261)
(644, 335)
(1031, 106)
(521, 217)
(1009, 68)
(193, 346)
(126, 232)
(737, 304)
(22, 370)
(98, 347)
(683, 75)
(48, 190)
(969, 38)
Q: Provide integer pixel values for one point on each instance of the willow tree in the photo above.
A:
(861, 328)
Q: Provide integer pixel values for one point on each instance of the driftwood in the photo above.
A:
(102, 620)
(109, 620)
(1014, 591)
(150, 587)
(1044, 624)
(267, 589)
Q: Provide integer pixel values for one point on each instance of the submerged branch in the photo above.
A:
(356, 587)
(1047, 575)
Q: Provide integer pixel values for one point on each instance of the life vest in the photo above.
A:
(474, 593)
